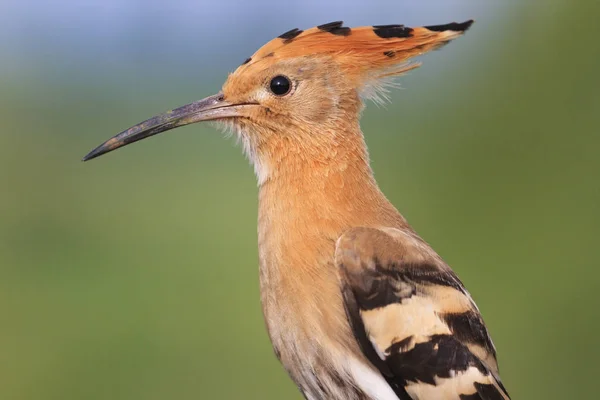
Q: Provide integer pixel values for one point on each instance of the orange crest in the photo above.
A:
(364, 53)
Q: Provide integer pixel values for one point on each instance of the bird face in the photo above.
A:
(291, 95)
(299, 106)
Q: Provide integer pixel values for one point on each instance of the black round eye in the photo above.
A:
(280, 85)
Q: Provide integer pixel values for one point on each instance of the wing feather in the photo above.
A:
(413, 319)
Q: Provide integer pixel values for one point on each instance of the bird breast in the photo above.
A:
(303, 307)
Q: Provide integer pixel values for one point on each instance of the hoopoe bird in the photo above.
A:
(356, 304)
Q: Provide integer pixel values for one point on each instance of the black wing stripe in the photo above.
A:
(439, 357)
(358, 328)
(488, 392)
(469, 327)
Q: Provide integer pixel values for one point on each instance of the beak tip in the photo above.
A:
(98, 151)
(108, 146)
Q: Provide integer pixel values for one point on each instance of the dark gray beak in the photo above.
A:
(210, 108)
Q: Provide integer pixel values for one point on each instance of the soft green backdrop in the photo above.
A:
(135, 276)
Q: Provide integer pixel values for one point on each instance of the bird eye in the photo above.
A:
(280, 85)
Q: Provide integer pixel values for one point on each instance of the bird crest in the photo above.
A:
(362, 53)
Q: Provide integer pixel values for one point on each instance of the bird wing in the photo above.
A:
(413, 318)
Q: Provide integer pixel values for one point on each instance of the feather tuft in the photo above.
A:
(365, 53)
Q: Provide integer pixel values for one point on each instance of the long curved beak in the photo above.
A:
(210, 108)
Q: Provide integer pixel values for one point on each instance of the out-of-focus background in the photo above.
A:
(135, 276)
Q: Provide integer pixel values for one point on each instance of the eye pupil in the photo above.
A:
(280, 85)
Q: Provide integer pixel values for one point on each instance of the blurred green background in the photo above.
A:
(135, 276)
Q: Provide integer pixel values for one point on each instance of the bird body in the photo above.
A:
(357, 305)
(306, 217)
(299, 224)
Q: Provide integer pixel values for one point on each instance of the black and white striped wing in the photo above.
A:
(413, 319)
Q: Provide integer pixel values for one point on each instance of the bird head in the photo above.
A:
(303, 87)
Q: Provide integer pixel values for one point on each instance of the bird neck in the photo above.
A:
(321, 189)
(312, 195)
